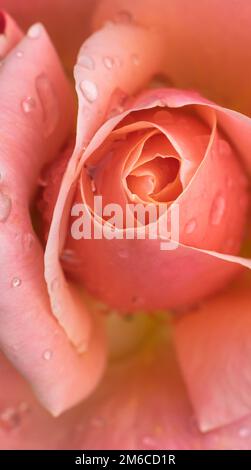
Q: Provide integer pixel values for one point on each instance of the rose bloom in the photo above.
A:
(114, 343)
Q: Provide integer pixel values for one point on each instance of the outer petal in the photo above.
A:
(36, 118)
(95, 84)
(59, 17)
(141, 404)
(197, 55)
(10, 33)
(171, 275)
(213, 346)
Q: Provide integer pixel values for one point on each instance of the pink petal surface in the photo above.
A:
(10, 33)
(213, 347)
(35, 127)
(93, 104)
(173, 274)
(140, 404)
(197, 55)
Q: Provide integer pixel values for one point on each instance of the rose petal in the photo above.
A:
(197, 55)
(123, 413)
(213, 347)
(10, 33)
(35, 100)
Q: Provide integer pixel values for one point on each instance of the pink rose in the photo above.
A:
(175, 373)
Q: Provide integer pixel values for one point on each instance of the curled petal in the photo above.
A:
(35, 100)
(213, 347)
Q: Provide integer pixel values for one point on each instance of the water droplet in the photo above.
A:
(19, 54)
(244, 432)
(124, 16)
(49, 103)
(115, 111)
(47, 355)
(35, 31)
(87, 62)
(16, 282)
(9, 419)
(93, 186)
(1, 177)
(5, 207)
(108, 62)
(89, 90)
(190, 226)
(68, 256)
(217, 209)
(28, 104)
(135, 59)
(28, 240)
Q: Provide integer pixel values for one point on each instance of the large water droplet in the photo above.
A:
(35, 31)
(49, 103)
(28, 104)
(16, 282)
(5, 207)
(89, 90)
(108, 62)
(47, 355)
(87, 62)
(190, 226)
(217, 209)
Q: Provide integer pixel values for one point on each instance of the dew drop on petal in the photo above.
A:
(93, 186)
(87, 62)
(19, 54)
(190, 226)
(89, 90)
(49, 103)
(47, 355)
(28, 241)
(16, 282)
(28, 104)
(35, 31)
(217, 209)
(108, 62)
(5, 207)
